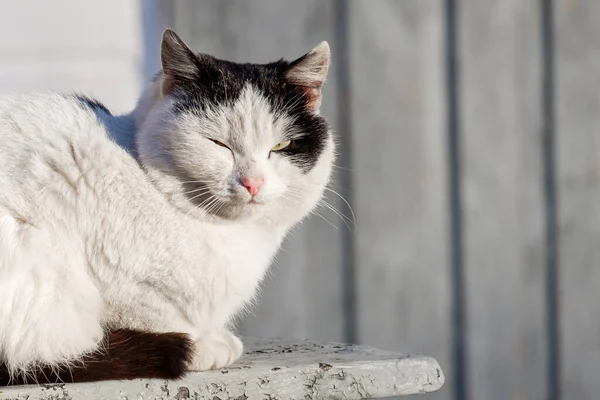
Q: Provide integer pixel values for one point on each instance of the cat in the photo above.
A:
(129, 243)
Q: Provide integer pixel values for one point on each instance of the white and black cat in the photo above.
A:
(128, 243)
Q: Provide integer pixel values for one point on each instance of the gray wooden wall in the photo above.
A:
(471, 158)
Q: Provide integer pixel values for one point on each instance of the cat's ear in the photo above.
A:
(308, 74)
(179, 63)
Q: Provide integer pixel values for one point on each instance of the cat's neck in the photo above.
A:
(123, 128)
(151, 95)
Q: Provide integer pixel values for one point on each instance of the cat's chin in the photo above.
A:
(252, 209)
(229, 210)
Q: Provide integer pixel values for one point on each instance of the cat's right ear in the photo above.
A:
(308, 74)
(179, 63)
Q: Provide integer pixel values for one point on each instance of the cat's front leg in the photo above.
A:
(217, 349)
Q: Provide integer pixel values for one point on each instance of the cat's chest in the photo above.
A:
(230, 278)
(245, 254)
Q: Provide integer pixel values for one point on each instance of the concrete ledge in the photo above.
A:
(277, 369)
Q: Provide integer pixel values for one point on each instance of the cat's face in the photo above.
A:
(241, 141)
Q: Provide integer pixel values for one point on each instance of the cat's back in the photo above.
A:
(35, 124)
(40, 138)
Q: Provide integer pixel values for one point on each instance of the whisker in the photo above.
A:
(209, 205)
(198, 195)
(200, 205)
(344, 218)
(196, 190)
(342, 168)
(295, 99)
(221, 205)
(326, 220)
(295, 193)
(344, 200)
(185, 182)
(295, 104)
(206, 202)
(338, 195)
(333, 208)
(216, 205)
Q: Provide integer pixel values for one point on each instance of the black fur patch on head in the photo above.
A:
(91, 103)
(220, 83)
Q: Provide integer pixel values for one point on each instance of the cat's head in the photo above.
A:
(237, 141)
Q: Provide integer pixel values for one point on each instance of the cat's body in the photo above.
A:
(164, 220)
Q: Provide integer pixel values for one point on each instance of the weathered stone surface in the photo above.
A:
(271, 370)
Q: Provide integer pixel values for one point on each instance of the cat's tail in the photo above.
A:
(124, 354)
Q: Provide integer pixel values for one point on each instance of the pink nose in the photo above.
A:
(253, 185)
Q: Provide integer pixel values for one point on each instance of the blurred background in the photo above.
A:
(469, 152)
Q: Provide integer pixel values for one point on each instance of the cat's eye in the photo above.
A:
(218, 143)
(282, 145)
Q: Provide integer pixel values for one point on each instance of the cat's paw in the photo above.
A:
(216, 350)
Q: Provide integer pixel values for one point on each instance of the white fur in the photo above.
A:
(91, 237)
(313, 70)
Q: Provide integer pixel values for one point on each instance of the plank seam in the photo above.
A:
(551, 202)
(344, 103)
(459, 323)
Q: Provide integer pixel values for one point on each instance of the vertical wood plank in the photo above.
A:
(577, 27)
(399, 152)
(500, 50)
(302, 297)
(156, 16)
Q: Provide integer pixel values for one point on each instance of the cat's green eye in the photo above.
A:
(282, 145)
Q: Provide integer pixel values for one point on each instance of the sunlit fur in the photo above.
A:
(139, 221)
(249, 129)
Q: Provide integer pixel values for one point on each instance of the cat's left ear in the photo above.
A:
(179, 63)
(308, 74)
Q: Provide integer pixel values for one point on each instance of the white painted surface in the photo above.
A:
(93, 47)
(272, 370)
